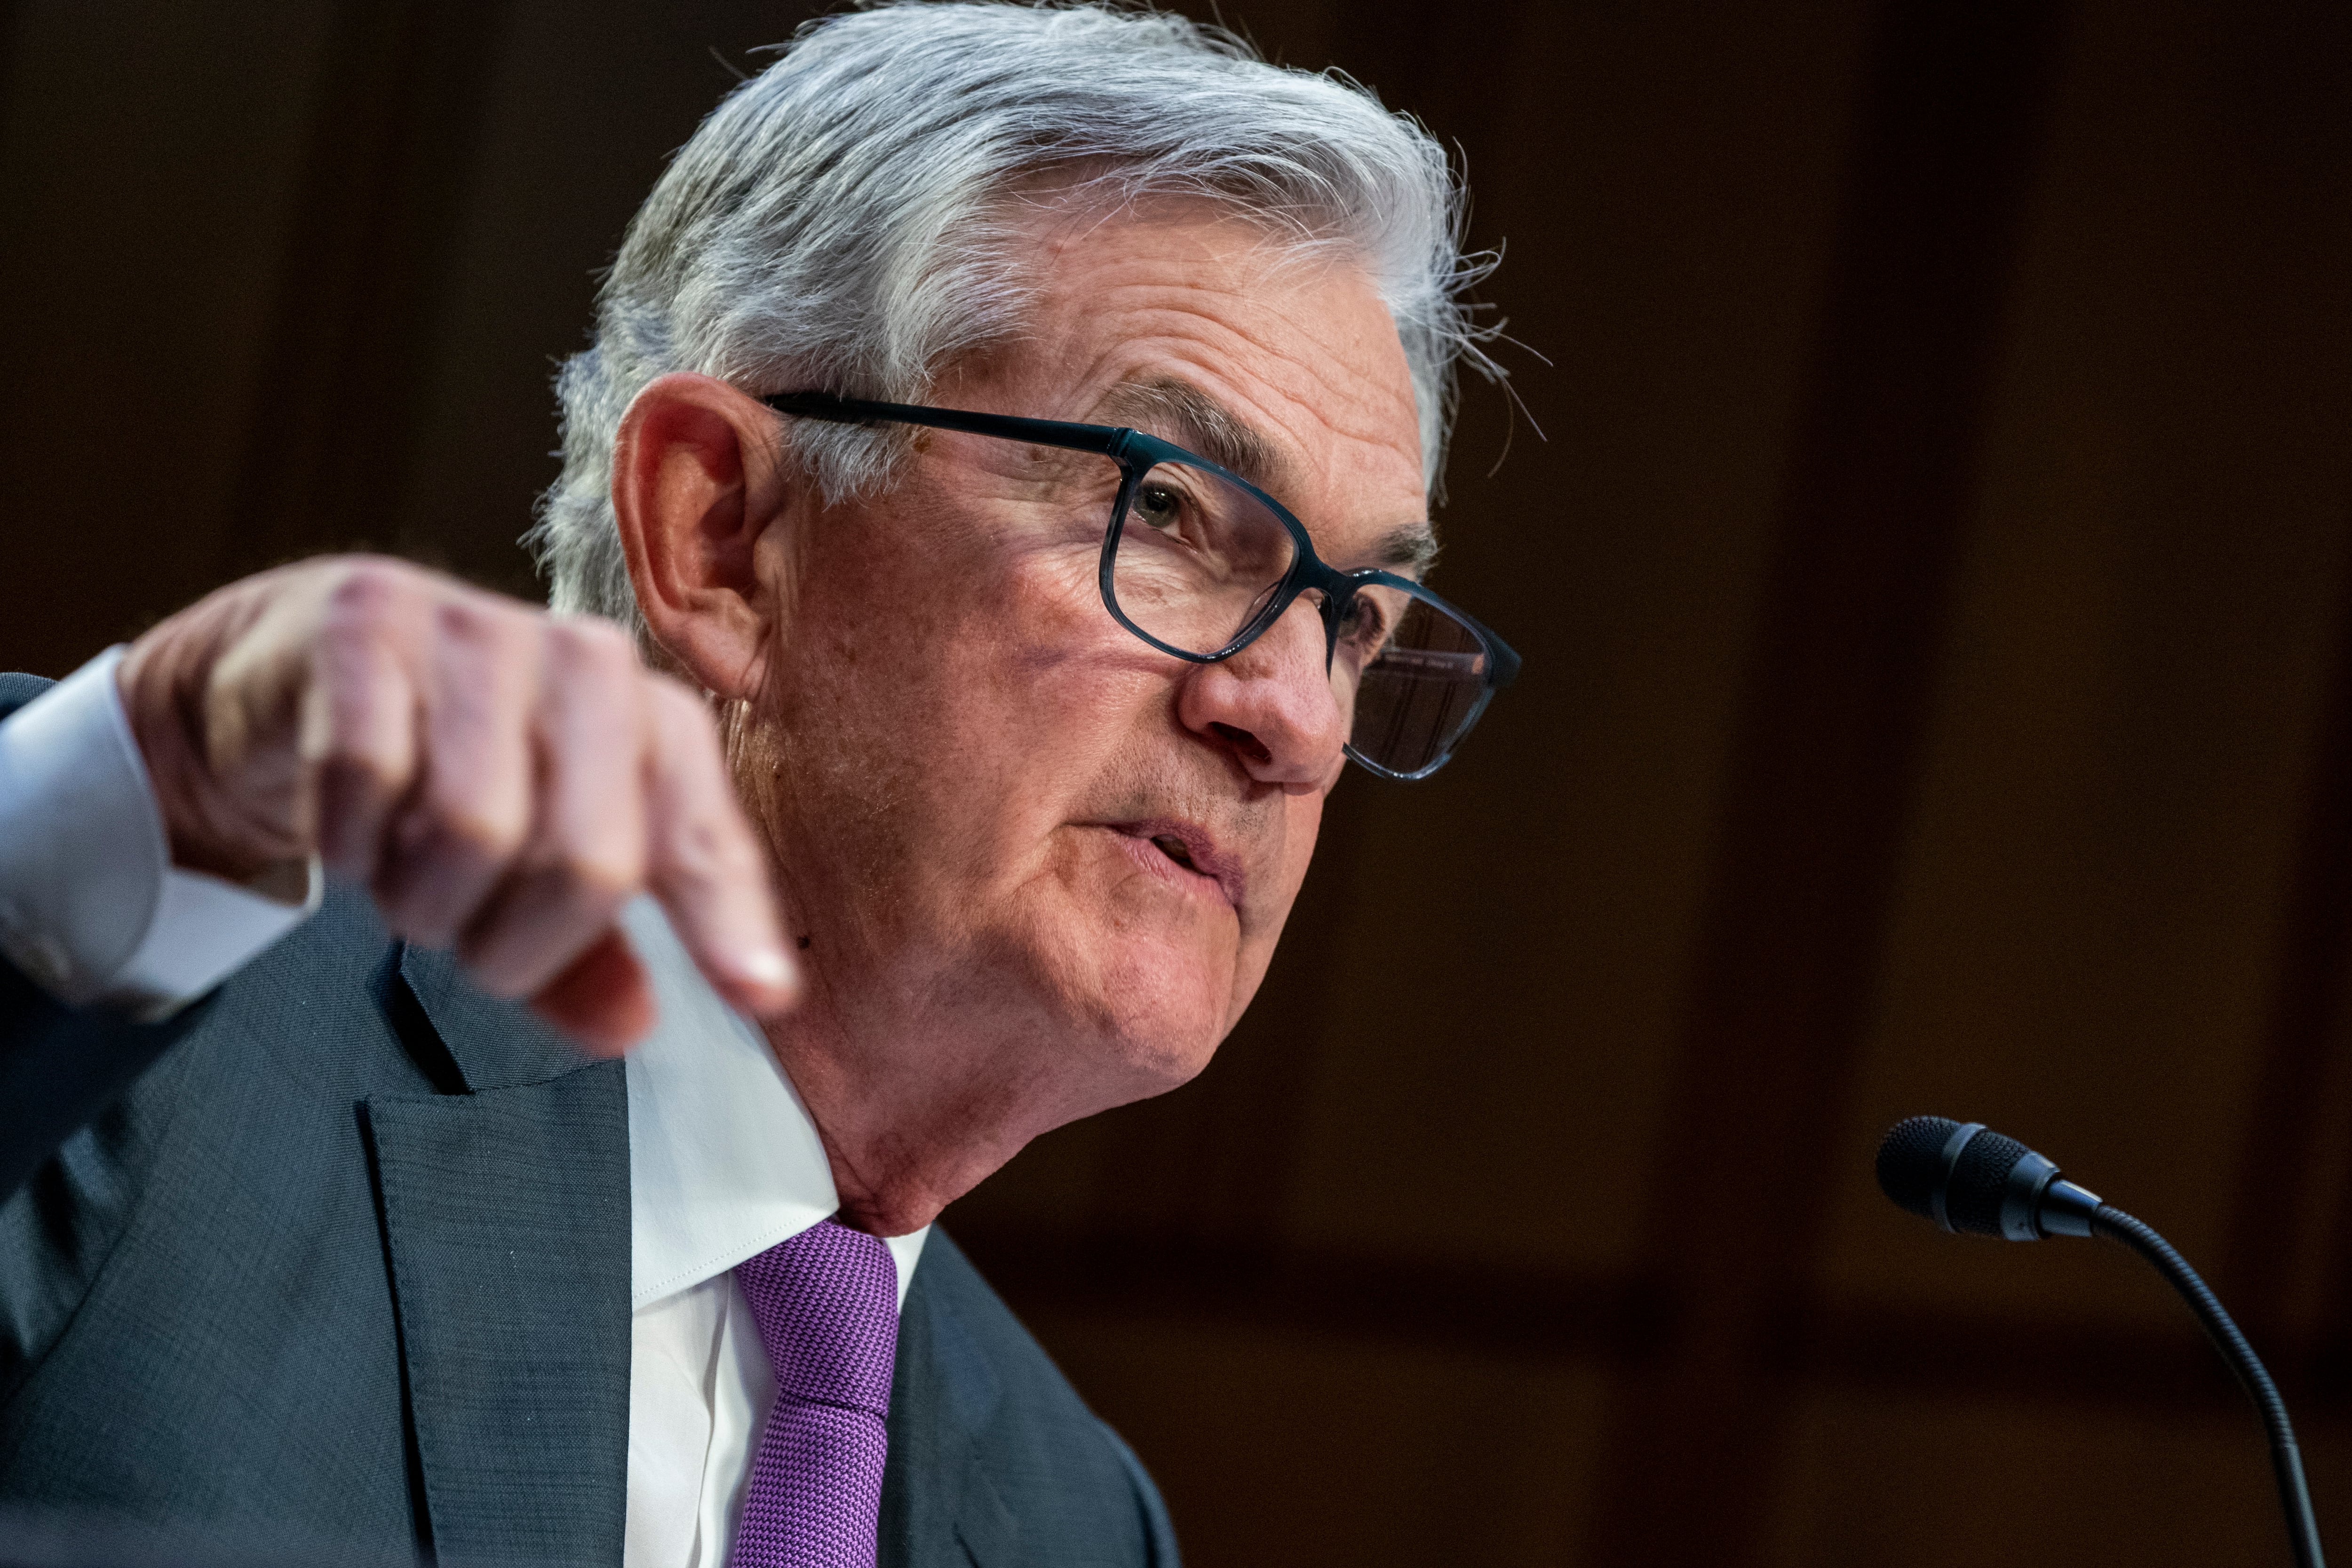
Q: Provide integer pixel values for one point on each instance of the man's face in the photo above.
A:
(982, 791)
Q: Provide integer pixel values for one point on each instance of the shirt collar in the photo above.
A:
(724, 1162)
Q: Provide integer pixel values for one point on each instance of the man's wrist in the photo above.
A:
(92, 906)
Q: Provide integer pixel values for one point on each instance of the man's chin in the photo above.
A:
(1121, 998)
(1162, 1016)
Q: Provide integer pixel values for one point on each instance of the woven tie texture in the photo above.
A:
(826, 1304)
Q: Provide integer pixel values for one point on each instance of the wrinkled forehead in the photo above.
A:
(1178, 411)
(1268, 290)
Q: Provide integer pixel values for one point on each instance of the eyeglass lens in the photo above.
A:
(1196, 565)
(1420, 691)
(1198, 557)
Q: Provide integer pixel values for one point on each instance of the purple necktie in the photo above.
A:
(827, 1305)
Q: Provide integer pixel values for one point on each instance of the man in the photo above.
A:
(972, 740)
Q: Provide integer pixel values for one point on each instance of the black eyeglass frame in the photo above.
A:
(1136, 454)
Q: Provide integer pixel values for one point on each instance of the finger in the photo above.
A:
(358, 739)
(602, 999)
(469, 813)
(586, 856)
(707, 867)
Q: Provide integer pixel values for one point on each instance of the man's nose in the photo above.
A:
(1272, 705)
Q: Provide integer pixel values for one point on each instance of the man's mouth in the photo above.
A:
(1175, 850)
(1186, 851)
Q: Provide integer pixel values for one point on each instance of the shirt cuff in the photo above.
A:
(92, 906)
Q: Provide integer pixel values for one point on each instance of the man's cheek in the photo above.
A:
(1302, 821)
(1271, 914)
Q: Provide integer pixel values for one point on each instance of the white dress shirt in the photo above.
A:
(90, 905)
(724, 1162)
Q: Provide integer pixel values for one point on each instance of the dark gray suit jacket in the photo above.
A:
(349, 1262)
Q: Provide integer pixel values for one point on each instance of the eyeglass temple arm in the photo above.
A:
(1108, 440)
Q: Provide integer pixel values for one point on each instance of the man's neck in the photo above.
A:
(902, 1144)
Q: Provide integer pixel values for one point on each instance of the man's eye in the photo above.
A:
(1160, 506)
(1364, 623)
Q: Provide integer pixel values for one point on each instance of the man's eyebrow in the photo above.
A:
(1409, 550)
(1199, 423)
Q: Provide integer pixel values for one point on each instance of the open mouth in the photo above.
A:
(1175, 848)
(1183, 851)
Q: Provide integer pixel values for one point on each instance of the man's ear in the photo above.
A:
(697, 481)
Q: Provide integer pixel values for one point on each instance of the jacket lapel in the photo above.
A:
(938, 1506)
(505, 1216)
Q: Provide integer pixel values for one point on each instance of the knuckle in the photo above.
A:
(363, 770)
(462, 615)
(601, 876)
(366, 579)
(593, 659)
(710, 846)
(696, 849)
(487, 652)
(364, 604)
(479, 832)
(455, 621)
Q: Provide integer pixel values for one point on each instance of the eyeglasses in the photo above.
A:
(1199, 562)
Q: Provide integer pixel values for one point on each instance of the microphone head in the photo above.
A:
(1981, 1186)
(1911, 1162)
(1966, 1177)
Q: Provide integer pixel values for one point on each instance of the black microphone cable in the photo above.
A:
(1967, 1178)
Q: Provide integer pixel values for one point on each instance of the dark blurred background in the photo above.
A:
(1935, 589)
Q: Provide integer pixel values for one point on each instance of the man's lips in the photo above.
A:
(1184, 849)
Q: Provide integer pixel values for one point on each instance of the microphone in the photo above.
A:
(1967, 1178)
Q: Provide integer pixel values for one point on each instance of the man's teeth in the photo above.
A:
(1173, 848)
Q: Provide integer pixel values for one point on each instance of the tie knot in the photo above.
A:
(826, 1304)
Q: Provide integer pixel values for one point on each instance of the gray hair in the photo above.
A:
(845, 220)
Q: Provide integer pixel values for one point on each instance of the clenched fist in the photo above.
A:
(502, 778)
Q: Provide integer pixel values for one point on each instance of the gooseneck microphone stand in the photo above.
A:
(1967, 1178)
(2286, 1458)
